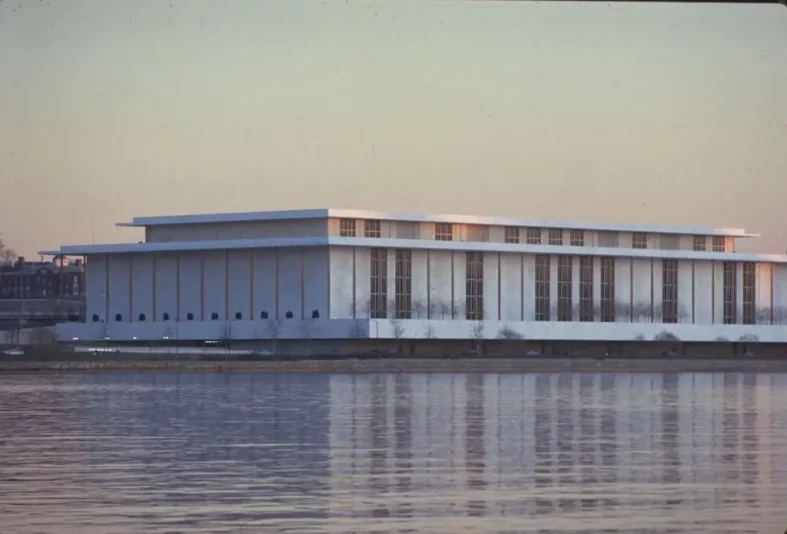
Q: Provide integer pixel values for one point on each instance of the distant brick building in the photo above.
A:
(41, 280)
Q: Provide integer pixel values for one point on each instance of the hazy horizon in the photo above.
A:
(644, 113)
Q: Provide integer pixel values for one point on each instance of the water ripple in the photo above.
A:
(229, 453)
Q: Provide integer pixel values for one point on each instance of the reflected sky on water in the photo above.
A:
(154, 453)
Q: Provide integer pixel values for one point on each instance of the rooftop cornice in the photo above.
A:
(324, 213)
(415, 244)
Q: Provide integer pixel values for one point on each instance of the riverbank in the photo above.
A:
(401, 365)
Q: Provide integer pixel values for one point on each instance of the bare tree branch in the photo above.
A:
(6, 253)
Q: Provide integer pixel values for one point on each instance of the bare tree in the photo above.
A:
(458, 310)
(443, 309)
(395, 318)
(478, 336)
(509, 333)
(167, 334)
(642, 312)
(657, 313)
(683, 315)
(364, 308)
(749, 338)
(764, 316)
(429, 331)
(433, 310)
(623, 312)
(274, 331)
(6, 253)
(419, 309)
(397, 327)
(225, 336)
(780, 315)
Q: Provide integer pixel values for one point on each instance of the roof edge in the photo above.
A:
(214, 218)
(185, 246)
(317, 213)
(234, 244)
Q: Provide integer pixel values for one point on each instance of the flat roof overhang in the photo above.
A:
(324, 213)
(415, 244)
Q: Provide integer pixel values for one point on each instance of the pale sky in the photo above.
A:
(650, 113)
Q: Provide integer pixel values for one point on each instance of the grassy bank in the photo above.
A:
(136, 363)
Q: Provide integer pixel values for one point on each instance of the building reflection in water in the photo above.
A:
(672, 449)
(475, 419)
(232, 453)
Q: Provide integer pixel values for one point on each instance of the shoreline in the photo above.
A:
(401, 365)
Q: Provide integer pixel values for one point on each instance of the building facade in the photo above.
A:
(41, 280)
(338, 274)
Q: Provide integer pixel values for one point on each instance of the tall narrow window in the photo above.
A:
(371, 228)
(718, 243)
(608, 290)
(542, 288)
(555, 236)
(379, 283)
(639, 240)
(533, 236)
(577, 238)
(347, 227)
(749, 293)
(404, 284)
(730, 293)
(474, 286)
(586, 289)
(511, 234)
(700, 243)
(564, 288)
(444, 232)
(669, 291)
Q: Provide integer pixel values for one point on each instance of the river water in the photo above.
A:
(249, 453)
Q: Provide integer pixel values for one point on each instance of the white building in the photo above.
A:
(338, 274)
